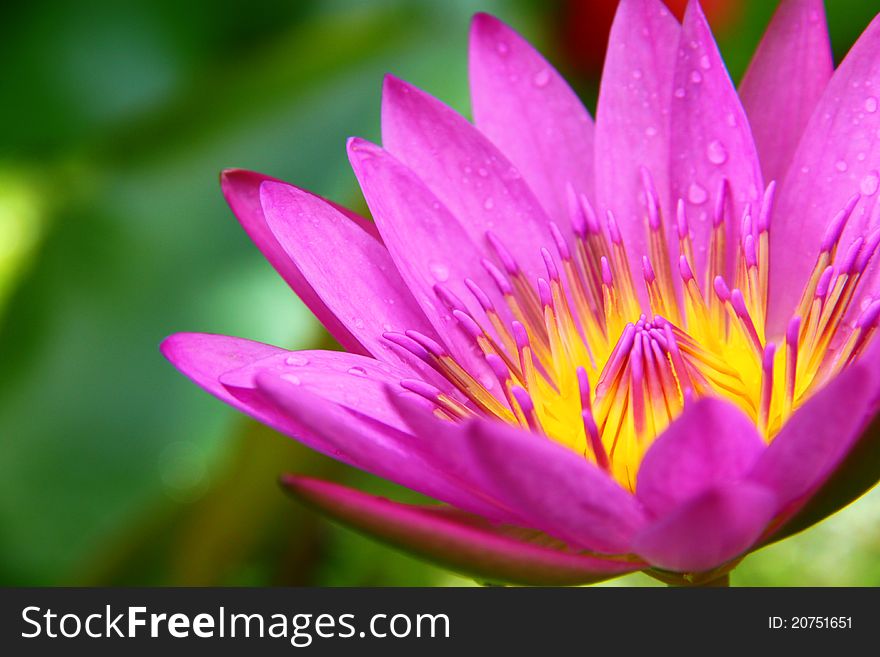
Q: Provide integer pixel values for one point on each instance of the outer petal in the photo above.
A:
(632, 117)
(427, 243)
(465, 171)
(711, 529)
(838, 156)
(354, 382)
(711, 140)
(205, 358)
(711, 443)
(817, 438)
(552, 488)
(350, 271)
(242, 191)
(525, 107)
(785, 80)
(458, 541)
(370, 443)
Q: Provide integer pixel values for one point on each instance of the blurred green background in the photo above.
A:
(116, 119)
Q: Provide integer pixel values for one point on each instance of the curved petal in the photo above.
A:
(711, 529)
(632, 117)
(458, 541)
(242, 191)
(710, 139)
(539, 483)
(350, 271)
(370, 442)
(711, 443)
(204, 358)
(819, 435)
(428, 245)
(465, 171)
(838, 156)
(525, 107)
(355, 382)
(785, 80)
(552, 488)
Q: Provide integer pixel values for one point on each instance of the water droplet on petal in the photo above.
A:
(871, 104)
(869, 183)
(488, 204)
(716, 153)
(704, 62)
(731, 119)
(696, 77)
(637, 74)
(357, 371)
(482, 172)
(296, 360)
(502, 48)
(650, 131)
(697, 194)
(679, 93)
(541, 78)
(841, 166)
(291, 378)
(440, 271)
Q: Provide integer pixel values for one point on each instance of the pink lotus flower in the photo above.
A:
(642, 343)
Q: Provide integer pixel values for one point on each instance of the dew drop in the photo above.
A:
(488, 204)
(482, 172)
(296, 360)
(357, 371)
(291, 378)
(502, 48)
(716, 153)
(440, 271)
(679, 93)
(731, 119)
(637, 74)
(696, 77)
(697, 194)
(841, 166)
(870, 183)
(650, 131)
(541, 78)
(704, 63)
(871, 104)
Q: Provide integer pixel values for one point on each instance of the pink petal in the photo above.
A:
(204, 358)
(242, 191)
(370, 441)
(785, 80)
(838, 156)
(455, 540)
(552, 488)
(525, 107)
(819, 435)
(350, 271)
(538, 482)
(711, 529)
(711, 140)
(465, 171)
(355, 382)
(428, 245)
(711, 443)
(632, 117)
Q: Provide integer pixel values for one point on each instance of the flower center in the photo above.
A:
(582, 359)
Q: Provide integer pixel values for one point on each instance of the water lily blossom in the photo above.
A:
(640, 343)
